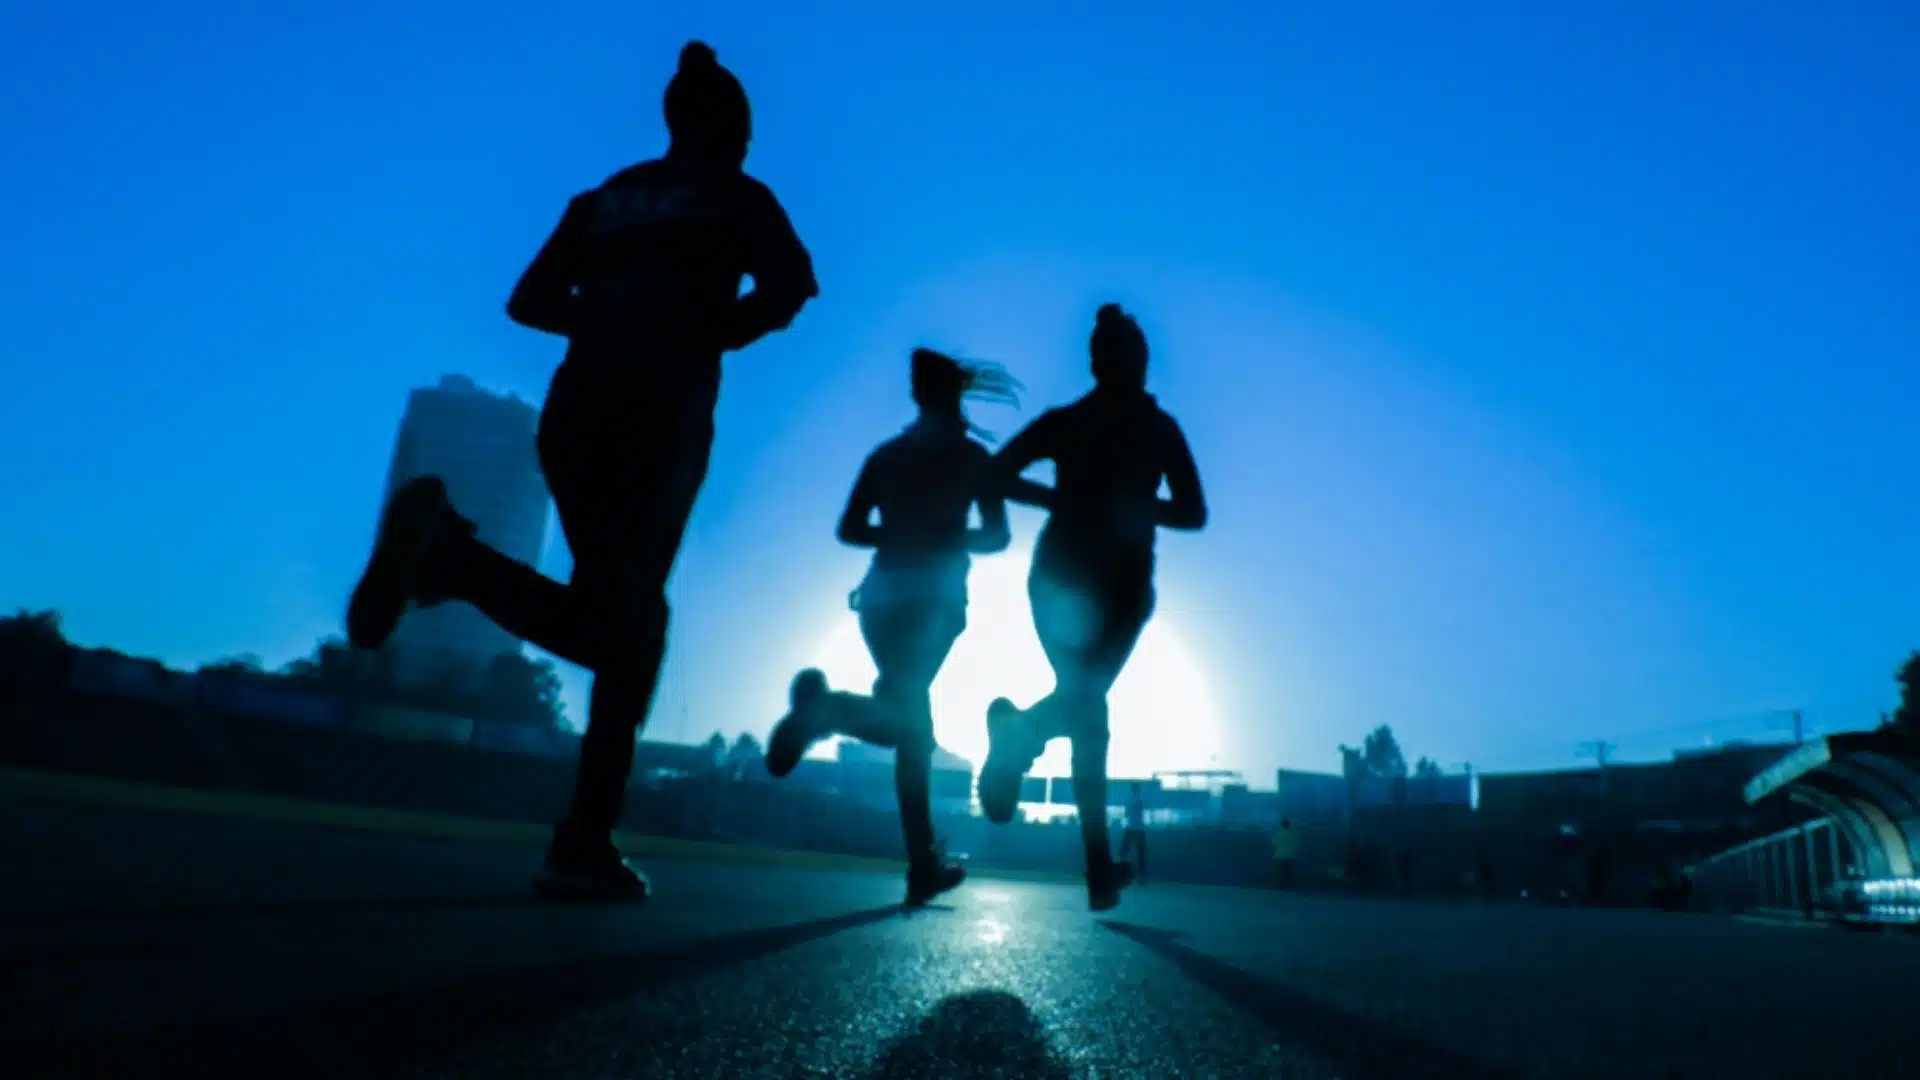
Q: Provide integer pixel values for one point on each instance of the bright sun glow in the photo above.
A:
(1161, 715)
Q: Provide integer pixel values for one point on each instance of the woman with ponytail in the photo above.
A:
(1091, 586)
(642, 277)
(913, 601)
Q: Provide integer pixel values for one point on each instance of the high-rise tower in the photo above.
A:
(482, 445)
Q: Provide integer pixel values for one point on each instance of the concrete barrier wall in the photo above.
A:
(175, 742)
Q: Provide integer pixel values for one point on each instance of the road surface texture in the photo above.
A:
(152, 945)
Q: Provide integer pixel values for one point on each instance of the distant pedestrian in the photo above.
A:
(1133, 840)
(1286, 853)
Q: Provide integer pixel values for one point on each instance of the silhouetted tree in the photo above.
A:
(715, 757)
(336, 667)
(519, 689)
(1427, 768)
(34, 649)
(244, 664)
(32, 626)
(549, 691)
(511, 688)
(1377, 755)
(1906, 718)
(744, 755)
(448, 690)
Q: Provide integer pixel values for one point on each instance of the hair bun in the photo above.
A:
(1112, 315)
(932, 363)
(698, 55)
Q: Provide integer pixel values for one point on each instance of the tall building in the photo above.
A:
(482, 445)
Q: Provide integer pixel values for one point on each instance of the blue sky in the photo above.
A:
(1551, 366)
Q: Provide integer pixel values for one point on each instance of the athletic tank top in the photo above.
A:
(924, 482)
(1110, 451)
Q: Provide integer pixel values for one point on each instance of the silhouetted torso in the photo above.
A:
(1110, 451)
(659, 252)
(924, 482)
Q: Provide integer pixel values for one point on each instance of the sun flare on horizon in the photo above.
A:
(1161, 713)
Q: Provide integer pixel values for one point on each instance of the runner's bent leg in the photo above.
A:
(1088, 626)
(1090, 782)
(624, 586)
(624, 482)
(428, 554)
(913, 781)
(877, 719)
(519, 599)
(1062, 619)
(909, 642)
(1123, 610)
(574, 430)
(1068, 618)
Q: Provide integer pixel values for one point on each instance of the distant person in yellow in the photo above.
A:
(1133, 841)
(1286, 851)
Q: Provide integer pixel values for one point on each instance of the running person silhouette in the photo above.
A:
(913, 601)
(1091, 585)
(642, 277)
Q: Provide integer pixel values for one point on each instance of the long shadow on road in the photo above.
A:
(376, 1035)
(263, 908)
(1357, 1048)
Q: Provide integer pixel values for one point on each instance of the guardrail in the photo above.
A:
(1801, 872)
(1856, 863)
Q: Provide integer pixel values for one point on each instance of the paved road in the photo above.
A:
(175, 946)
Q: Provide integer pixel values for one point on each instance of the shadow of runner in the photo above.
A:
(986, 1034)
(379, 1034)
(240, 909)
(1356, 1048)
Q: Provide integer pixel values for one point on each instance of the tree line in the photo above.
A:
(511, 688)
(515, 688)
(1379, 756)
(1906, 718)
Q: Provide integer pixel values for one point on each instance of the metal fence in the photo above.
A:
(1792, 872)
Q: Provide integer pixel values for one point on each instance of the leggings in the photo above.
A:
(909, 641)
(1088, 624)
(624, 470)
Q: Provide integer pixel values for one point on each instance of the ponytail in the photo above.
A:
(943, 383)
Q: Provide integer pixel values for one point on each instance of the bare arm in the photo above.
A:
(994, 534)
(1035, 442)
(782, 272)
(856, 521)
(544, 299)
(1186, 510)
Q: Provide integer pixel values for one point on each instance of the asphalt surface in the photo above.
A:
(146, 946)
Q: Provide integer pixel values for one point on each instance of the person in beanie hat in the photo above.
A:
(1091, 586)
(642, 277)
(706, 107)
